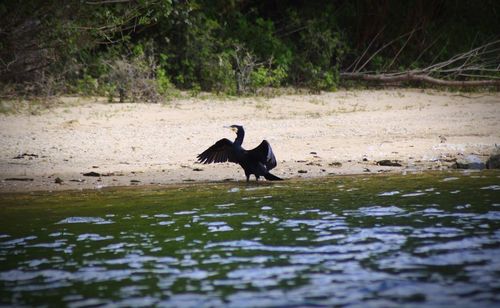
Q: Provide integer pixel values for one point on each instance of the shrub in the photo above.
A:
(88, 85)
(267, 77)
(133, 79)
(218, 75)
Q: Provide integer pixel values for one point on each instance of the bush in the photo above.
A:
(133, 79)
(88, 85)
(140, 50)
(267, 77)
(318, 65)
(218, 74)
(164, 86)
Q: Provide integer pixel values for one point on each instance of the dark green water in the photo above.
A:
(376, 241)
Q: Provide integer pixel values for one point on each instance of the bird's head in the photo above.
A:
(235, 128)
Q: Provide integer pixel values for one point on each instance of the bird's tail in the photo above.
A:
(272, 177)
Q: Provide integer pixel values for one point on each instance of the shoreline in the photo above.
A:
(251, 185)
(331, 134)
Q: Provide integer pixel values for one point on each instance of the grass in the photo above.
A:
(316, 101)
(313, 115)
(31, 106)
(344, 109)
(39, 105)
(262, 106)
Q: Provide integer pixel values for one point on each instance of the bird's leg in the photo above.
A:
(248, 177)
(256, 178)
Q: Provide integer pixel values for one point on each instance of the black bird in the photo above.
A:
(257, 161)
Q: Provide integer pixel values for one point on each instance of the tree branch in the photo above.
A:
(409, 76)
(480, 63)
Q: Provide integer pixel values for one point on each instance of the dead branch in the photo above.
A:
(245, 64)
(475, 68)
(385, 46)
(401, 49)
(355, 63)
(409, 76)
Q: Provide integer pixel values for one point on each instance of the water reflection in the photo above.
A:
(354, 242)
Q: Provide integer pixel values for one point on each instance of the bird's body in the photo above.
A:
(258, 161)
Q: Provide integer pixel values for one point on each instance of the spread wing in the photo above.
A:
(220, 152)
(264, 154)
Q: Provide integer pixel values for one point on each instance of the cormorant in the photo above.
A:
(257, 161)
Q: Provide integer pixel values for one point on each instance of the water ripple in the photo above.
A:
(354, 242)
(376, 211)
(80, 220)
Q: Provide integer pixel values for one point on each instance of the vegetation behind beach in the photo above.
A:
(148, 49)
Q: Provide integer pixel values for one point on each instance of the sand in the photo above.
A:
(330, 134)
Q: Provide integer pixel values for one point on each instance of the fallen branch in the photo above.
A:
(409, 76)
(473, 68)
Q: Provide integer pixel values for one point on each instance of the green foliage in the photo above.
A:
(260, 37)
(317, 65)
(194, 52)
(163, 82)
(266, 77)
(218, 74)
(87, 85)
(231, 47)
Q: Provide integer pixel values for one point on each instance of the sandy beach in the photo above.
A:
(346, 132)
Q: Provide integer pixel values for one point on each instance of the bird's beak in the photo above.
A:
(231, 128)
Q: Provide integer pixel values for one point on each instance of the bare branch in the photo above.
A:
(419, 77)
(401, 49)
(476, 66)
(438, 37)
(355, 63)
(383, 47)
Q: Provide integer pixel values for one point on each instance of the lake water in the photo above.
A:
(365, 241)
